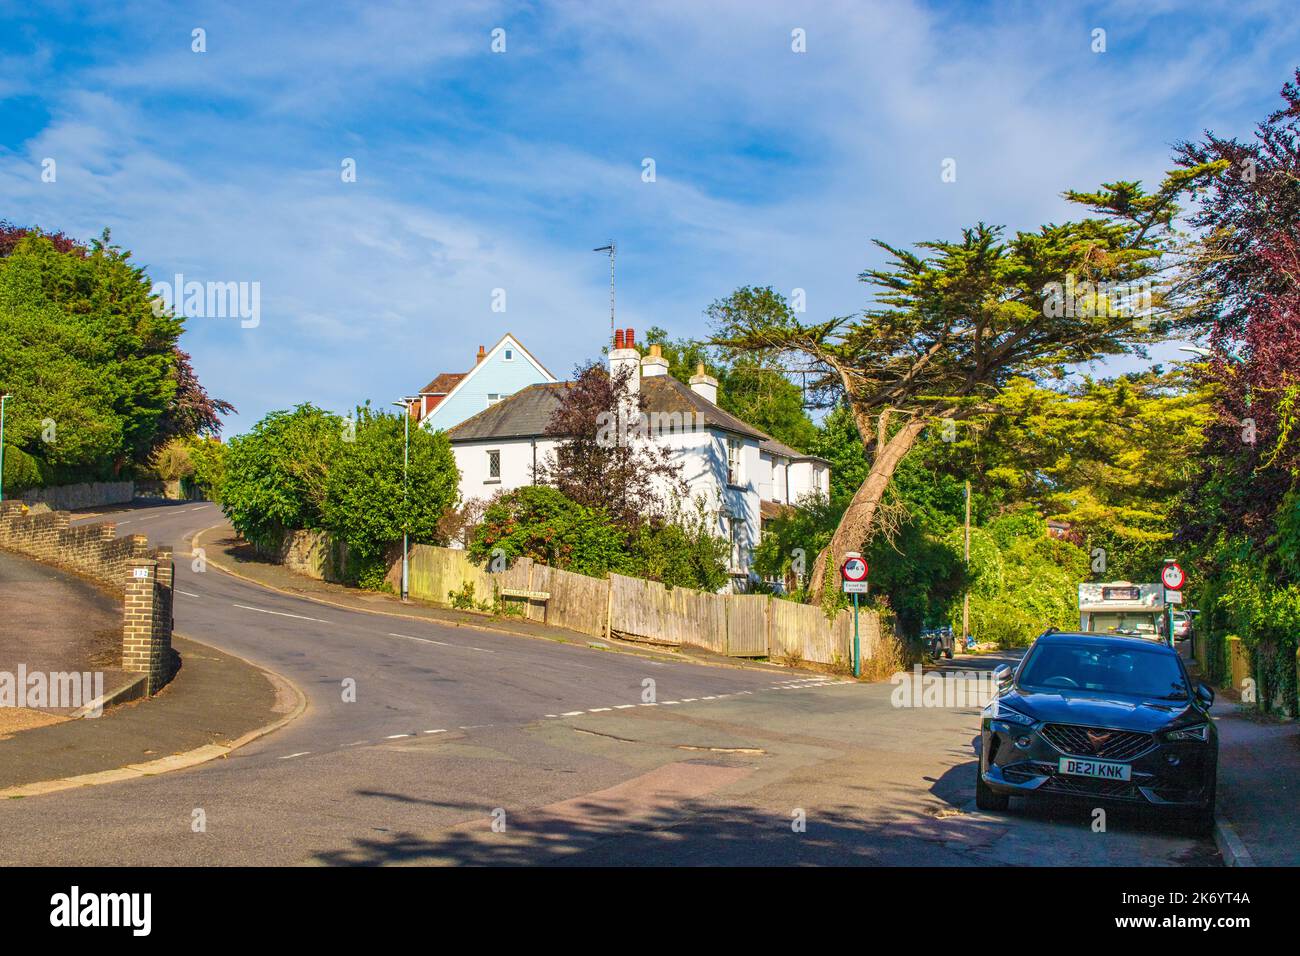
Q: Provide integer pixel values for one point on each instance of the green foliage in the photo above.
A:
(21, 472)
(81, 347)
(679, 554)
(371, 499)
(539, 522)
(1020, 589)
(277, 473)
(208, 458)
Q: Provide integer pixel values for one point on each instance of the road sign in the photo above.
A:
(854, 568)
(1173, 597)
(855, 587)
(1173, 576)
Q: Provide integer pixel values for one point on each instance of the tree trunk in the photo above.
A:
(855, 525)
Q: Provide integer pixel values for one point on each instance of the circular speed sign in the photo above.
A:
(1173, 577)
(854, 568)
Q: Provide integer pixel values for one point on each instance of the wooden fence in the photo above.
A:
(739, 625)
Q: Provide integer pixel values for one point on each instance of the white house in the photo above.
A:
(743, 475)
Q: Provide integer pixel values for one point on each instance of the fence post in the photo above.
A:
(609, 607)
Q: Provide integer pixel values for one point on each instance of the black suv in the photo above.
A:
(1101, 718)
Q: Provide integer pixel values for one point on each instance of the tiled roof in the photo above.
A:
(526, 413)
(443, 384)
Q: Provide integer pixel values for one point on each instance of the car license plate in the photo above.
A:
(1102, 769)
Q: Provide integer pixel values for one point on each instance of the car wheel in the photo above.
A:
(947, 652)
(985, 796)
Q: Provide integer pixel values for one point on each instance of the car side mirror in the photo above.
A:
(1002, 674)
(1205, 694)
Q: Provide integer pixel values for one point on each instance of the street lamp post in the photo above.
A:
(405, 404)
(4, 396)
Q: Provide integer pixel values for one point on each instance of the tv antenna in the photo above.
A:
(612, 249)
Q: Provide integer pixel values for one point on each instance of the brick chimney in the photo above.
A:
(625, 356)
(704, 385)
(654, 363)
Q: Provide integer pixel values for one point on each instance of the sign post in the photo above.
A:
(853, 572)
(1173, 579)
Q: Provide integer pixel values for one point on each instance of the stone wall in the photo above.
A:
(91, 495)
(95, 551)
(313, 554)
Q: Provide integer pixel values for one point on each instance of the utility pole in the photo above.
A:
(406, 404)
(965, 599)
(612, 249)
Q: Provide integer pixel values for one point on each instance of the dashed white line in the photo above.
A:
(398, 736)
(599, 710)
(572, 713)
(422, 640)
(301, 753)
(186, 593)
(262, 610)
(623, 706)
(440, 730)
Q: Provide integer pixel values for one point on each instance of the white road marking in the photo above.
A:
(689, 700)
(301, 753)
(357, 743)
(441, 730)
(623, 706)
(148, 518)
(669, 703)
(186, 593)
(398, 736)
(599, 710)
(262, 610)
(199, 508)
(550, 715)
(483, 649)
(572, 713)
(422, 640)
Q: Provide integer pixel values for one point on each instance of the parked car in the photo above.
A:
(1101, 718)
(1182, 625)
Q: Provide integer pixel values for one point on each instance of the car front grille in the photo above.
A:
(1087, 787)
(1097, 741)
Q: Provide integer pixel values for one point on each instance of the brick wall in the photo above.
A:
(95, 551)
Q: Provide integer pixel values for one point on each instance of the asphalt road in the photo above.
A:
(469, 746)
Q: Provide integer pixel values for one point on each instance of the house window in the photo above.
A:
(509, 355)
(733, 461)
(494, 465)
(494, 397)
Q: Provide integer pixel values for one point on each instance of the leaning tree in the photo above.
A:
(953, 322)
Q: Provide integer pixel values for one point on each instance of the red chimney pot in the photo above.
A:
(629, 338)
(618, 338)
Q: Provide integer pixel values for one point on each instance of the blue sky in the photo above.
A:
(479, 170)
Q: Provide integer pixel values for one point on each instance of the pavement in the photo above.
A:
(38, 632)
(428, 742)
(1259, 787)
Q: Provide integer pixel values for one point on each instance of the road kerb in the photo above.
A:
(180, 761)
(1234, 852)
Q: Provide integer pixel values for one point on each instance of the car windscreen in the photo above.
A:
(1118, 669)
(1123, 622)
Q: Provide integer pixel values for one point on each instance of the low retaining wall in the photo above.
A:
(313, 554)
(128, 563)
(92, 495)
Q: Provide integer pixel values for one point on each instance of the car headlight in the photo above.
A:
(1198, 732)
(1001, 711)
